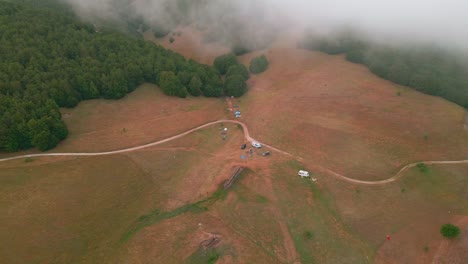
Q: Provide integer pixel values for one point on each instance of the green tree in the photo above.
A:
(223, 62)
(44, 140)
(171, 85)
(185, 77)
(235, 85)
(211, 90)
(356, 56)
(160, 32)
(238, 69)
(258, 64)
(194, 87)
(450, 231)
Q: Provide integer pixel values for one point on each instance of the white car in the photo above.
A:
(303, 173)
(256, 144)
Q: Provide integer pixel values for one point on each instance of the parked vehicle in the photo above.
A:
(266, 153)
(256, 144)
(303, 173)
(243, 146)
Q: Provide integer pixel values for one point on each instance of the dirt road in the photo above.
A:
(248, 138)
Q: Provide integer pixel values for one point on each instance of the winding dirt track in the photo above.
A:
(248, 138)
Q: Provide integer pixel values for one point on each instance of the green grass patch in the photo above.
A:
(13, 181)
(422, 167)
(444, 185)
(210, 256)
(295, 164)
(157, 215)
(308, 235)
(301, 242)
(261, 199)
(331, 240)
(193, 108)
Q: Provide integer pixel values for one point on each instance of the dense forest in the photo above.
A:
(50, 59)
(430, 70)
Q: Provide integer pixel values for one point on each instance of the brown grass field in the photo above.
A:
(158, 204)
(143, 116)
(337, 114)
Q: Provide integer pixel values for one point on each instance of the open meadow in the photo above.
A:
(167, 203)
(340, 116)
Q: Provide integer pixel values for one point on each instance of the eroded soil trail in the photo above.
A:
(248, 138)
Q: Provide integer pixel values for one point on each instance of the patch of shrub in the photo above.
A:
(422, 167)
(308, 235)
(258, 64)
(450, 231)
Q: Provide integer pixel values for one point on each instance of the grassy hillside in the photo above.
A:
(338, 115)
(431, 70)
(76, 210)
(159, 116)
(157, 205)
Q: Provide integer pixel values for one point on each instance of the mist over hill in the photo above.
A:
(432, 21)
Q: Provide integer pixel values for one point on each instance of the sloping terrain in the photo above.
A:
(340, 116)
(161, 204)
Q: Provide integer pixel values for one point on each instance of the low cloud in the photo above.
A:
(442, 22)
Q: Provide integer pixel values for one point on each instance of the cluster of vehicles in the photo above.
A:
(257, 146)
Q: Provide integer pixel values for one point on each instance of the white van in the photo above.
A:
(303, 173)
(256, 144)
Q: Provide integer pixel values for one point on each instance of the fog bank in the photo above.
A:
(443, 22)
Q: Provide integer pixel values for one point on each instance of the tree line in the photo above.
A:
(430, 70)
(51, 59)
